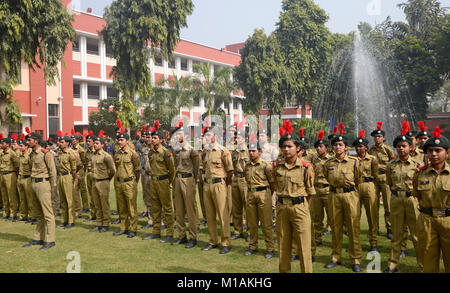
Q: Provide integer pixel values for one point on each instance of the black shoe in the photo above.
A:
(15, 219)
(34, 222)
(34, 242)
(403, 253)
(332, 264)
(88, 220)
(121, 232)
(61, 225)
(131, 234)
(163, 227)
(29, 220)
(4, 218)
(68, 226)
(179, 241)
(356, 268)
(326, 232)
(250, 252)
(236, 236)
(191, 243)
(374, 248)
(23, 220)
(143, 215)
(47, 245)
(313, 259)
(85, 211)
(58, 214)
(209, 247)
(225, 250)
(318, 243)
(147, 226)
(78, 217)
(104, 229)
(389, 234)
(96, 229)
(9, 219)
(152, 236)
(166, 239)
(390, 271)
(247, 239)
(294, 257)
(114, 213)
(116, 222)
(269, 255)
(203, 222)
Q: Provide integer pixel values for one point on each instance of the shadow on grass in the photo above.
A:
(14, 237)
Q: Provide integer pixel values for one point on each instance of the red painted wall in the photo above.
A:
(38, 89)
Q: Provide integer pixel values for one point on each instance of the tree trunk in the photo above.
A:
(303, 104)
(4, 126)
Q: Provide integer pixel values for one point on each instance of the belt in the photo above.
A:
(25, 176)
(203, 171)
(125, 179)
(64, 173)
(294, 200)
(104, 179)
(239, 174)
(381, 171)
(341, 190)
(184, 175)
(368, 179)
(37, 180)
(258, 188)
(160, 177)
(435, 212)
(6, 172)
(322, 185)
(213, 180)
(400, 193)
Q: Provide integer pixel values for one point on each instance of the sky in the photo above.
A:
(218, 23)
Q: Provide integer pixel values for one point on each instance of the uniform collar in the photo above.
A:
(346, 158)
(445, 169)
(409, 161)
(257, 162)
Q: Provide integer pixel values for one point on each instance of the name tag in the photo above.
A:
(330, 169)
(424, 182)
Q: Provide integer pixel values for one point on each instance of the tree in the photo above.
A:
(37, 32)
(106, 117)
(131, 27)
(262, 74)
(305, 43)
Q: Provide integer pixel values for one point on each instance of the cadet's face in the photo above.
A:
(361, 149)
(421, 140)
(414, 142)
(148, 140)
(14, 146)
(437, 155)
(63, 144)
(289, 149)
(156, 140)
(339, 147)
(122, 142)
(321, 149)
(180, 137)
(90, 143)
(262, 138)
(210, 138)
(378, 138)
(254, 154)
(31, 142)
(403, 148)
(240, 139)
(97, 145)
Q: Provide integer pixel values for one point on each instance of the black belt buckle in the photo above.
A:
(322, 185)
(38, 180)
(203, 171)
(64, 173)
(184, 175)
(125, 179)
(7, 172)
(25, 176)
(258, 188)
(368, 179)
(294, 200)
(213, 180)
(239, 175)
(381, 171)
(104, 179)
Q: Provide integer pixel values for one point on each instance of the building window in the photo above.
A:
(53, 110)
(158, 60)
(93, 92)
(172, 64)
(108, 52)
(196, 102)
(53, 120)
(75, 46)
(196, 66)
(235, 105)
(184, 64)
(92, 46)
(112, 92)
(76, 90)
(291, 103)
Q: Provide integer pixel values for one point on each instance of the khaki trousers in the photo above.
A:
(42, 200)
(368, 198)
(216, 203)
(146, 197)
(65, 189)
(92, 205)
(100, 195)
(8, 186)
(184, 194)
(162, 201)
(24, 189)
(259, 209)
(200, 195)
(239, 202)
(383, 190)
(127, 202)
(319, 206)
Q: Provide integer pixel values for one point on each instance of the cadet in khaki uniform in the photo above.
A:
(187, 163)
(416, 153)
(218, 166)
(404, 207)
(240, 159)
(432, 189)
(88, 169)
(261, 185)
(319, 203)
(43, 177)
(162, 176)
(24, 182)
(366, 190)
(384, 154)
(128, 171)
(294, 181)
(146, 177)
(67, 169)
(200, 181)
(343, 174)
(80, 192)
(9, 167)
(103, 170)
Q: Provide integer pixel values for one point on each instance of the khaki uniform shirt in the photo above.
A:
(82, 152)
(432, 189)
(342, 174)
(269, 153)
(127, 163)
(9, 161)
(295, 181)
(318, 164)
(116, 147)
(216, 161)
(399, 175)
(418, 155)
(161, 163)
(369, 167)
(145, 161)
(24, 164)
(43, 165)
(89, 154)
(259, 174)
(383, 154)
(102, 165)
(187, 160)
(67, 161)
(240, 158)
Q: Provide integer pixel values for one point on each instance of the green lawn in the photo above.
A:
(104, 253)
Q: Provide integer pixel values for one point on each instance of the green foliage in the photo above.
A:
(132, 26)
(311, 127)
(106, 117)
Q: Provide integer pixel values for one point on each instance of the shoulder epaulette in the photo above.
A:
(306, 164)
(424, 167)
(44, 150)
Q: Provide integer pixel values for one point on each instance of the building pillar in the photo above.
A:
(83, 60)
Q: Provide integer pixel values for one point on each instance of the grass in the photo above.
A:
(104, 253)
